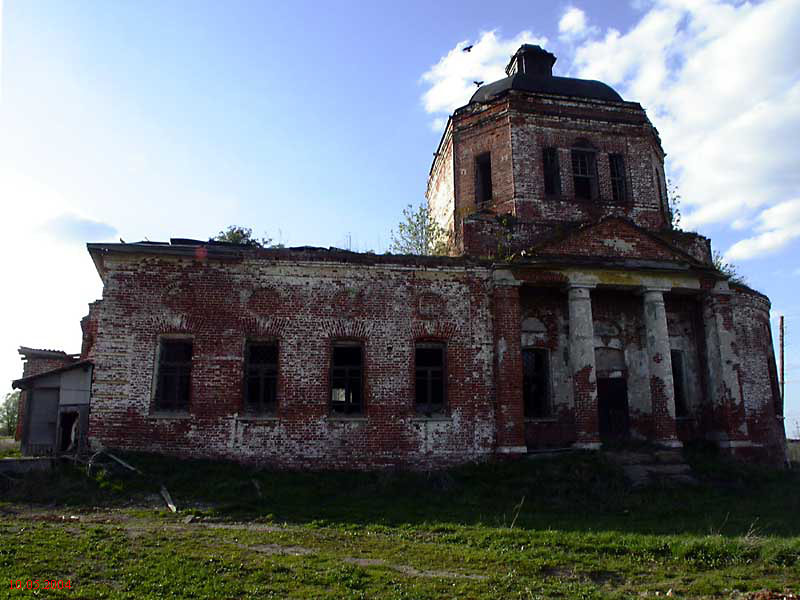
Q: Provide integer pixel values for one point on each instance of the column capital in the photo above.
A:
(505, 278)
(579, 291)
(654, 289)
(580, 285)
(718, 293)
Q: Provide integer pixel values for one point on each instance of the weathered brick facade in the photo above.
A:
(304, 300)
(571, 314)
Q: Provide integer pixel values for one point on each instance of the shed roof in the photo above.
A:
(24, 382)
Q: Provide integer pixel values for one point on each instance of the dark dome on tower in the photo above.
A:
(531, 70)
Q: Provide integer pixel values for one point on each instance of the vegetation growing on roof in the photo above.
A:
(419, 233)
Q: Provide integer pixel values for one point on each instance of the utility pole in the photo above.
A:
(783, 398)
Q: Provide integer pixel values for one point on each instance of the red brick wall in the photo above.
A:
(305, 306)
(509, 417)
(89, 330)
(610, 238)
(758, 374)
(538, 123)
(515, 129)
(545, 325)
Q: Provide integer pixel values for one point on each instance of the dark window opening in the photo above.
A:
(660, 192)
(429, 365)
(261, 377)
(483, 178)
(552, 176)
(346, 379)
(584, 174)
(536, 383)
(174, 375)
(679, 383)
(617, 166)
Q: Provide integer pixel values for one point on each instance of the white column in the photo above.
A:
(581, 358)
(662, 387)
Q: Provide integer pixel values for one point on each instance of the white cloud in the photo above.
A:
(1, 50)
(720, 81)
(778, 225)
(451, 79)
(438, 124)
(573, 24)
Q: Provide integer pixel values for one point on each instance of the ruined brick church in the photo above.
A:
(571, 314)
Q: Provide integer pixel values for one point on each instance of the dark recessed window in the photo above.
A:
(660, 189)
(483, 178)
(346, 378)
(679, 382)
(552, 176)
(173, 384)
(430, 372)
(261, 377)
(584, 174)
(536, 383)
(616, 164)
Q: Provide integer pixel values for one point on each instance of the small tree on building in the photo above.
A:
(236, 234)
(419, 233)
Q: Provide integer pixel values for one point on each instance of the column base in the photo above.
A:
(587, 445)
(669, 443)
(511, 450)
(724, 444)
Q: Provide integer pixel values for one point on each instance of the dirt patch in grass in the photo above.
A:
(277, 549)
(410, 571)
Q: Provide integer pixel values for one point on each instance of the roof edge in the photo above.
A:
(23, 381)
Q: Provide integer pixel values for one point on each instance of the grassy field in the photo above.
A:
(566, 527)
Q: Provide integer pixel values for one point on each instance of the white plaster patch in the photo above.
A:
(618, 244)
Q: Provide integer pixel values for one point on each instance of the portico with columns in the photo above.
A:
(626, 329)
(609, 341)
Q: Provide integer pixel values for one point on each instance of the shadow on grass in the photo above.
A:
(576, 492)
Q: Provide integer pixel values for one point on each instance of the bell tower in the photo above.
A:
(533, 153)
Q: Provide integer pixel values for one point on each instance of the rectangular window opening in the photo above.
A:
(261, 377)
(552, 176)
(536, 383)
(173, 383)
(430, 378)
(346, 379)
(617, 166)
(584, 174)
(679, 382)
(483, 178)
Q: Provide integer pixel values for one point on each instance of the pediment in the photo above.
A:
(611, 238)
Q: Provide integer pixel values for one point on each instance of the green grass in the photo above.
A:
(8, 447)
(580, 532)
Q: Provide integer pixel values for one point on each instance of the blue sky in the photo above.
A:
(315, 123)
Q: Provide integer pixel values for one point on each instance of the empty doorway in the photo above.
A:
(612, 407)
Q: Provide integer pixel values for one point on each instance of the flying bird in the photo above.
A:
(478, 83)
(467, 49)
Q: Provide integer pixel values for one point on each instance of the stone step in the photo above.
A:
(656, 457)
(640, 475)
